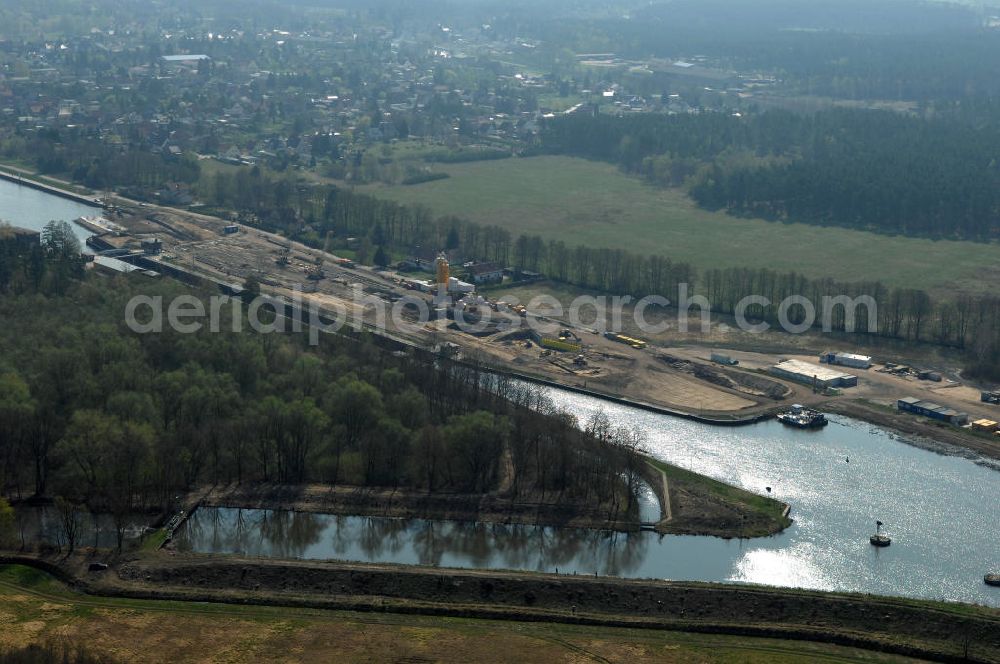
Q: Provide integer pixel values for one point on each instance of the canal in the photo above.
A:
(31, 208)
(941, 511)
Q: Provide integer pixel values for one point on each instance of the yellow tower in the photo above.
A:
(442, 271)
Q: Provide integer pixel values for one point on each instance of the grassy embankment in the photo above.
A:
(35, 608)
(592, 203)
(702, 505)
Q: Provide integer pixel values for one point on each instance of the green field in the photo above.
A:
(34, 609)
(585, 202)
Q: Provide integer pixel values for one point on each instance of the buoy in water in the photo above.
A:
(880, 540)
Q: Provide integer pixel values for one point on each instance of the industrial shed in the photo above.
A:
(846, 359)
(932, 410)
(813, 374)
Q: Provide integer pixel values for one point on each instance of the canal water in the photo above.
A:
(941, 511)
(30, 208)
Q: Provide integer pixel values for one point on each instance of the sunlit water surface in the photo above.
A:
(941, 512)
(30, 208)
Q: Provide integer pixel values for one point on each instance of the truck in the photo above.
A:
(719, 358)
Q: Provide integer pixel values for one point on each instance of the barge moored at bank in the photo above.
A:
(803, 418)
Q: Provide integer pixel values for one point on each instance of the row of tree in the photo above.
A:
(95, 163)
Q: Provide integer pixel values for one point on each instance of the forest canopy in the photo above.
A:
(862, 169)
(96, 415)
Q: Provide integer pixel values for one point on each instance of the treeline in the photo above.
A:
(862, 169)
(95, 163)
(48, 266)
(110, 421)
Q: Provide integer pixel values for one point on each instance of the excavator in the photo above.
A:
(316, 273)
(283, 254)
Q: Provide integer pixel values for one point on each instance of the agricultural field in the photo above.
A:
(593, 203)
(35, 609)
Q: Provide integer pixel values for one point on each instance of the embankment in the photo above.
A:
(398, 503)
(699, 505)
(938, 631)
(734, 420)
(922, 432)
(16, 178)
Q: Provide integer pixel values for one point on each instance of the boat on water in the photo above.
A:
(803, 418)
(98, 224)
(992, 579)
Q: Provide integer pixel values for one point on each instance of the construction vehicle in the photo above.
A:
(283, 254)
(316, 273)
(567, 334)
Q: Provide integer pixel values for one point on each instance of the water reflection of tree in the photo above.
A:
(430, 541)
(342, 537)
(379, 537)
(281, 533)
(288, 534)
(271, 533)
(483, 545)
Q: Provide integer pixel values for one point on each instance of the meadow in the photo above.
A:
(593, 203)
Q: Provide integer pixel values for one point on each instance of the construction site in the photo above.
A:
(442, 313)
(447, 315)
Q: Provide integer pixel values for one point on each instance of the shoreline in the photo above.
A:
(706, 511)
(947, 440)
(737, 420)
(910, 430)
(406, 504)
(12, 174)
